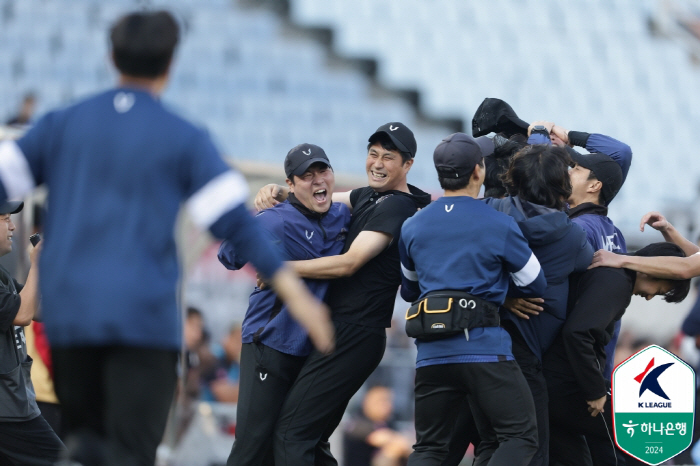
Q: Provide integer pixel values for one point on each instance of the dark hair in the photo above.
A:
(193, 311)
(498, 162)
(143, 43)
(540, 174)
(453, 184)
(680, 287)
(387, 144)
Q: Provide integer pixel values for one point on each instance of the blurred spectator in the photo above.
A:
(370, 437)
(221, 382)
(26, 111)
(193, 334)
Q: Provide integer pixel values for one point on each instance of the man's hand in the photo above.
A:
(547, 124)
(559, 135)
(34, 253)
(596, 406)
(269, 196)
(521, 307)
(655, 220)
(603, 258)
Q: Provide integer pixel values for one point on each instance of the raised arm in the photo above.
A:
(29, 295)
(658, 222)
(366, 246)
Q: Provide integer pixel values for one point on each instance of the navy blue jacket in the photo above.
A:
(299, 235)
(562, 248)
(459, 243)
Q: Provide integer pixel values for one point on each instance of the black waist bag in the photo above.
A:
(441, 314)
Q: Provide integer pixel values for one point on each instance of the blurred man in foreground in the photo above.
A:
(118, 166)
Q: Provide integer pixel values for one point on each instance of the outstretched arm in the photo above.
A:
(668, 267)
(29, 295)
(366, 246)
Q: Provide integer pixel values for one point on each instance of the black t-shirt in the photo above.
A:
(367, 297)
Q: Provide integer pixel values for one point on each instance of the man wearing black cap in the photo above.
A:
(25, 436)
(596, 179)
(367, 275)
(275, 346)
(475, 357)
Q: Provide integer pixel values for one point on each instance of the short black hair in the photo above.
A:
(193, 311)
(453, 184)
(540, 174)
(498, 162)
(680, 287)
(386, 142)
(143, 43)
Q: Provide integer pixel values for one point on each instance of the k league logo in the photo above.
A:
(653, 404)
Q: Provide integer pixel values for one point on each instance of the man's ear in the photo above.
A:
(408, 164)
(290, 184)
(594, 186)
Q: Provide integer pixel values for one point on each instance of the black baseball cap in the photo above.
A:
(496, 116)
(605, 169)
(400, 135)
(458, 153)
(301, 157)
(11, 207)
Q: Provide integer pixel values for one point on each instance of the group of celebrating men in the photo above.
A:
(515, 334)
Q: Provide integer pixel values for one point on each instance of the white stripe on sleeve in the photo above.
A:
(528, 273)
(15, 173)
(410, 274)
(220, 195)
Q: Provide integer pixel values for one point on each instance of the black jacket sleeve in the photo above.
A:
(602, 295)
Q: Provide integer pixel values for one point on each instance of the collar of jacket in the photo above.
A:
(588, 208)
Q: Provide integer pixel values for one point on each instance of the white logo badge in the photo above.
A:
(263, 377)
(309, 236)
(123, 102)
(392, 128)
(306, 153)
(449, 209)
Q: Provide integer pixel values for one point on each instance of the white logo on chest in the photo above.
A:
(123, 102)
(449, 209)
(309, 236)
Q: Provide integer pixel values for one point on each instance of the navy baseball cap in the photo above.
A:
(301, 157)
(605, 169)
(11, 207)
(400, 135)
(458, 153)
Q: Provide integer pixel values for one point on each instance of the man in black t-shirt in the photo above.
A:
(367, 275)
(25, 436)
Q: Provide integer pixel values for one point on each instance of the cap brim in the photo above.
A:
(11, 207)
(305, 166)
(485, 144)
(396, 142)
